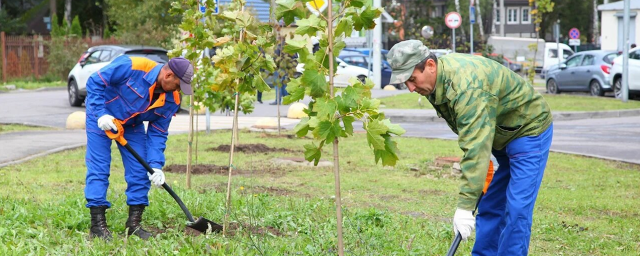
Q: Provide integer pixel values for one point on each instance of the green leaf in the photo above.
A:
(260, 84)
(374, 131)
(389, 155)
(288, 10)
(357, 3)
(297, 46)
(365, 19)
(230, 15)
(345, 26)
(326, 108)
(312, 153)
(310, 26)
(302, 128)
(348, 124)
(316, 81)
(295, 90)
(327, 130)
(337, 47)
(393, 128)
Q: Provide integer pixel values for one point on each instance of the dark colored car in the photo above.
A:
(99, 56)
(586, 71)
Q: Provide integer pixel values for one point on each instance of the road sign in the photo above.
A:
(472, 14)
(203, 6)
(574, 33)
(574, 42)
(453, 20)
(317, 6)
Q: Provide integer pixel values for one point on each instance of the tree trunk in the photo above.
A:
(461, 29)
(594, 40)
(67, 12)
(52, 8)
(478, 7)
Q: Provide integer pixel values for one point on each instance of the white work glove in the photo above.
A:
(105, 122)
(157, 178)
(463, 223)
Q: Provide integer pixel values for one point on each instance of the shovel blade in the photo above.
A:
(204, 225)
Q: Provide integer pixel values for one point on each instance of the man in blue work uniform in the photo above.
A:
(133, 90)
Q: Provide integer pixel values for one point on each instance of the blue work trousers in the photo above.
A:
(98, 161)
(505, 213)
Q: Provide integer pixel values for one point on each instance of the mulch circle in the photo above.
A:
(250, 148)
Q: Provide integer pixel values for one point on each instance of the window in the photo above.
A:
(526, 15)
(553, 53)
(587, 60)
(105, 56)
(574, 62)
(93, 58)
(356, 61)
(512, 15)
(497, 15)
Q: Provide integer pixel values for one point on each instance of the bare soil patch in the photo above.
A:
(251, 149)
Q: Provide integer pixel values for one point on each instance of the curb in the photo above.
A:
(48, 152)
(557, 116)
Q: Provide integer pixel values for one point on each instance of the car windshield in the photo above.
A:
(157, 56)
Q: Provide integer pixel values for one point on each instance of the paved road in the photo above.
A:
(615, 138)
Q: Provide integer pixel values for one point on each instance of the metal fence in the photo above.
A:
(26, 56)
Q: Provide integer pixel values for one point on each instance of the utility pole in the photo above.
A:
(625, 53)
(503, 17)
(377, 42)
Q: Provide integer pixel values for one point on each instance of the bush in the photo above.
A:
(63, 54)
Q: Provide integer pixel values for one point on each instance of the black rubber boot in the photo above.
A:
(99, 223)
(133, 222)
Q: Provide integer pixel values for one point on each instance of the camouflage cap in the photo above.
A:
(403, 57)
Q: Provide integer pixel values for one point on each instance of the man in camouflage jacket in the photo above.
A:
(493, 111)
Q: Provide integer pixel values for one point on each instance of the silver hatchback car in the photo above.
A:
(586, 71)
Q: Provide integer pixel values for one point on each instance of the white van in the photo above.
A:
(551, 56)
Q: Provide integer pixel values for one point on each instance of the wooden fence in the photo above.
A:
(26, 56)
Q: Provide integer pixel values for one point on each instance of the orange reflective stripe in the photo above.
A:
(489, 178)
(176, 97)
(142, 64)
(157, 104)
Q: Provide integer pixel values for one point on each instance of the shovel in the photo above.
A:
(487, 181)
(201, 224)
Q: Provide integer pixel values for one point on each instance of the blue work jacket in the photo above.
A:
(124, 89)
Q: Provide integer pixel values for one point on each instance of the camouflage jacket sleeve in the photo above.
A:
(476, 120)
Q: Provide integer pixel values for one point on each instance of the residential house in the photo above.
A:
(519, 22)
(611, 23)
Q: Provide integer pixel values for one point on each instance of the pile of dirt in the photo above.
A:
(250, 148)
(286, 136)
(441, 167)
(201, 169)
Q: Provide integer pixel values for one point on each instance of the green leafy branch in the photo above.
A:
(332, 117)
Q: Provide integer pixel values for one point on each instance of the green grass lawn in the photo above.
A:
(6, 128)
(556, 102)
(586, 206)
(31, 85)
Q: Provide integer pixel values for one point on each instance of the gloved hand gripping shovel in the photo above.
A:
(203, 225)
(487, 181)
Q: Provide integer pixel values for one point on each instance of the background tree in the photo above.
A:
(143, 22)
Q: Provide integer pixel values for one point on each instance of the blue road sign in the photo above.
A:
(574, 33)
(472, 14)
(203, 7)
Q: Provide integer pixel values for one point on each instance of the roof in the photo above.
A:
(619, 6)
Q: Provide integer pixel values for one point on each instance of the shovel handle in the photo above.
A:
(119, 137)
(164, 185)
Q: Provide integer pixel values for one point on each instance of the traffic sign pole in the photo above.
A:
(453, 21)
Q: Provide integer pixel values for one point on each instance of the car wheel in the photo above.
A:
(552, 87)
(595, 88)
(617, 88)
(362, 78)
(75, 100)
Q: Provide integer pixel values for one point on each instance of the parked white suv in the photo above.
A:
(99, 56)
(634, 74)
